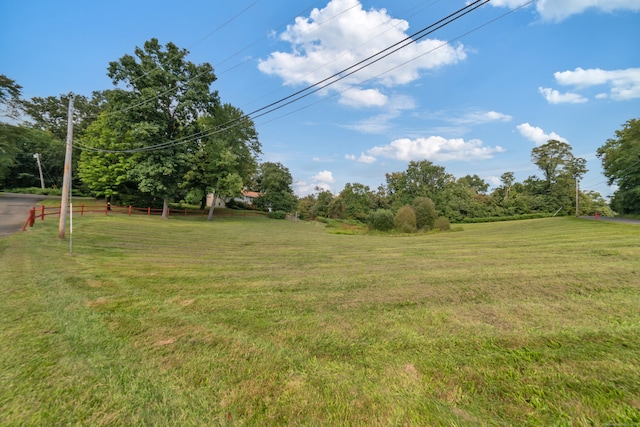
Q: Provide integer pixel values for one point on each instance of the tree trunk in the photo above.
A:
(213, 205)
(165, 209)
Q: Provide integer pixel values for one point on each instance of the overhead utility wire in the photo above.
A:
(419, 7)
(319, 85)
(217, 64)
(218, 28)
(363, 66)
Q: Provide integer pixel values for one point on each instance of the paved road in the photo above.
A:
(613, 219)
(14, 211)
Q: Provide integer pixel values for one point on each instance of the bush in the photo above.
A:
(277, 215)
(425, 211)
(381, 220)
(443, 224)
(405, 220)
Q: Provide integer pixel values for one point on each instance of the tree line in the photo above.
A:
(162, 135)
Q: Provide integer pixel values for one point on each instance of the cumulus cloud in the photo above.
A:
(538, 135)
(324, 177)
(321, 180)
(557, 10)
(624, 84)
(341, 34)
(435, 148)
(363, 158)
(555, 97)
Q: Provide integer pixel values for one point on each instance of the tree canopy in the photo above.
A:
(274, 183)
(621, 163)
(156, 114)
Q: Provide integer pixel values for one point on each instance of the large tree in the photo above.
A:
(10, 93)
(561, 170)
(226, 157)
(421, 179)
(621, 163)
(158, 100)
(274, 183)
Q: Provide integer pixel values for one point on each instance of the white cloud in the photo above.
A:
(355, 97)
(324, 177)
(480, 117)
(554, 97)
(537, 135)
(342, 34)
(624, 84)
(364, 158)
(435, 148)
(321, 180)
(557, 10)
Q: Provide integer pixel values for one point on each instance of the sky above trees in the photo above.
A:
(475, 96)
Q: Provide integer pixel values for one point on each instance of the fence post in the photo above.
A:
(32, 216)
(129, 210)
(82, 210)
(149, 211)
(42, 214)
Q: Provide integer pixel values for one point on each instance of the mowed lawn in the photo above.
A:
(251, 321)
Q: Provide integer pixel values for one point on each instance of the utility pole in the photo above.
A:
(577, 192)
(66, 181)
(37, 157)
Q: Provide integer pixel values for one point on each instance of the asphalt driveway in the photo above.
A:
(14, 211)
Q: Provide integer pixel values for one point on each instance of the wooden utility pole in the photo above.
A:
(37, 157)
(577, 193)
(66, 181)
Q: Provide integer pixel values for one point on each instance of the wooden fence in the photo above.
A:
(40, 212)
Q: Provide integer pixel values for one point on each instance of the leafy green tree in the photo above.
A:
(405, 220)
(274, 183)
(10, 93)
(305, 206)
(18, 168)
(476, 184)
(561, 169)
(425, 212)
(323, 201)
(381, 220)
(621, 163)
(225, 159)
(107, 173)
(507, 179)
(51, 114)
(421, 179)
(165, 96)
(358, 200)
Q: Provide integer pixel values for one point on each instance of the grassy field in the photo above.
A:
(252, 321)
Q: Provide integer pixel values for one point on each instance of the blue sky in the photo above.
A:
(475, 96)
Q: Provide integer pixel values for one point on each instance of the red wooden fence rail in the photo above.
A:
(131, 210)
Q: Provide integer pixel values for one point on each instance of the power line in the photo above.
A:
(322, 84)
(319, 85)
(219, 63)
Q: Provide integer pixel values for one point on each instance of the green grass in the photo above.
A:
(251, 321)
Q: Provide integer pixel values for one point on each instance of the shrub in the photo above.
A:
(277, 214)
(443, 224)
(425, 211)
(381, 220)
(405, 220)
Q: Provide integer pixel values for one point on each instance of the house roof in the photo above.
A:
(253, 194)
